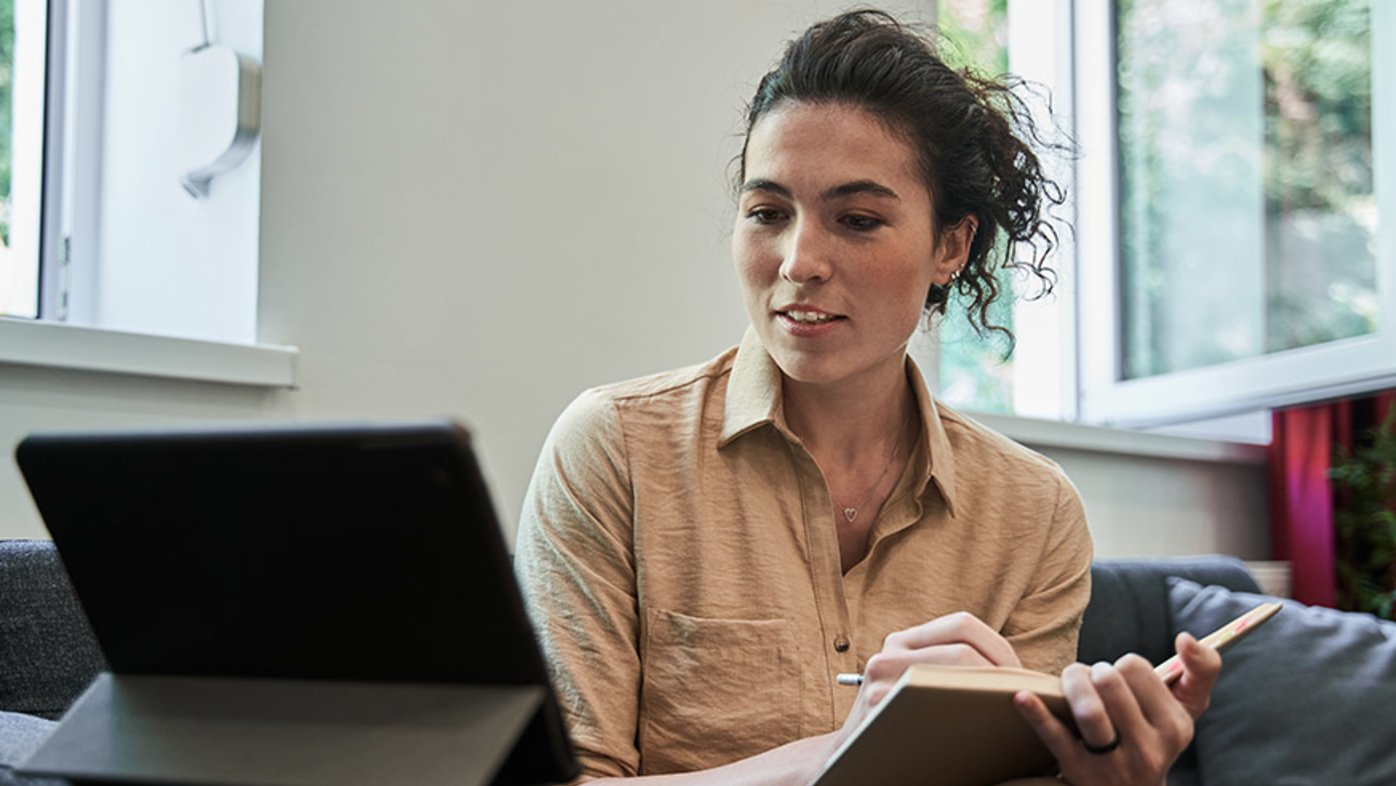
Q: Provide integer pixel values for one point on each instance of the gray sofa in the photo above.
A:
(1309, 699)
(47, 652)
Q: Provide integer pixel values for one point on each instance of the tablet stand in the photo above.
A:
(275, 732)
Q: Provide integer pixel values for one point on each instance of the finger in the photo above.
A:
(1053, 733)
(1087, 706)
(1168, 725)
(888, 665)
(1147, 694)
(954, 653)
(884, 667)
(958, 628)
(874, 692)
(1201, 668)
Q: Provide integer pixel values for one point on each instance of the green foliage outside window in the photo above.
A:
(974, 371)
(1316, 56)
(974, 33)
(1364, 484)
(7, 71)
(1248, 216)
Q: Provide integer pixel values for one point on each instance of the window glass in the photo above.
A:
(974, 372)
(22, 46)
(1248, 217)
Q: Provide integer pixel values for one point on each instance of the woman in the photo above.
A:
(704, 550)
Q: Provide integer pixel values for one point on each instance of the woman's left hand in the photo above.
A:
(1132, 726)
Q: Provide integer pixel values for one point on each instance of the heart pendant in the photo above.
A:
(850, 514)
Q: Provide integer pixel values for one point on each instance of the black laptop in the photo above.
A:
(301, 604)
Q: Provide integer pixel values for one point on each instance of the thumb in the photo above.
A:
(1201, 667)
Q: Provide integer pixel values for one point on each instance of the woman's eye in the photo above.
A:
(862, 223)
(765, 215)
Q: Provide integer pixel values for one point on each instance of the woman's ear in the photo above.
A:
(953, 250)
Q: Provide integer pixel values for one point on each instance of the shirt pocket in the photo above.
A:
(715, 690)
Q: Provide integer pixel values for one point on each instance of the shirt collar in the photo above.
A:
(753, 390)
(753, 399)
(936, 461)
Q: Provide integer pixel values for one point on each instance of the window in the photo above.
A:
(23, 26)
(129, 246)
(973, 369)
(1234, 240)
(1240, 236)
(1255, 180)
(145, 255)
(1029, 38)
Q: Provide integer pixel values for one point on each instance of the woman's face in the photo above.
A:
(834, 242)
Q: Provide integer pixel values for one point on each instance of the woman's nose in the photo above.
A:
(806, 254)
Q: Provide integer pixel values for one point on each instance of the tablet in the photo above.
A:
(346, 553)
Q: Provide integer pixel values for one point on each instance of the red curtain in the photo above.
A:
(1301, 498)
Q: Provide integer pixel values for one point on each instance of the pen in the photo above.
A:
(1170, 670)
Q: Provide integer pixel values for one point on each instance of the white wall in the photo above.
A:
(477, 209)
(1158, 506)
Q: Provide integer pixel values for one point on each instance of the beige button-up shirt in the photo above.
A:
(681, 564)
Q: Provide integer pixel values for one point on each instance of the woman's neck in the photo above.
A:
(854, 421)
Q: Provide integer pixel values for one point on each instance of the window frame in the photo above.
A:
(62, 335)
(1339, 368)
(1045, 385)
(53, 261)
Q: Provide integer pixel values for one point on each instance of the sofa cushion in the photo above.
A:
(21, 735)
(47, 652)
(1128, 611)
(1306, 699)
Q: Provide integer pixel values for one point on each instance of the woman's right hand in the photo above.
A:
(959, 639)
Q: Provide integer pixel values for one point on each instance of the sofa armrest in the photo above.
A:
(48, 654)
(1128, 611)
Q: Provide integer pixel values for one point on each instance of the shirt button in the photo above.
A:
(841, 644)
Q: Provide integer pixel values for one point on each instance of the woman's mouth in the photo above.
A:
(809, 317)
(808, 323)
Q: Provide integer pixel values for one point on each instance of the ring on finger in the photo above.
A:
(1102, 749)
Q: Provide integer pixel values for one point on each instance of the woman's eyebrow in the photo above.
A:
(860, 187)
(837, 192)
(762, 184)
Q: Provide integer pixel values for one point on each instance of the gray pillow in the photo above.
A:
(21, 735)
(1308, 698)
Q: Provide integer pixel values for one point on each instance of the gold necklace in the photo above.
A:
(850, 512)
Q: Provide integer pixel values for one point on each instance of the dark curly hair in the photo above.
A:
(969, 132)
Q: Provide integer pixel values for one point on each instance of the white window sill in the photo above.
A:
(1099, 439)
(56, 345)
